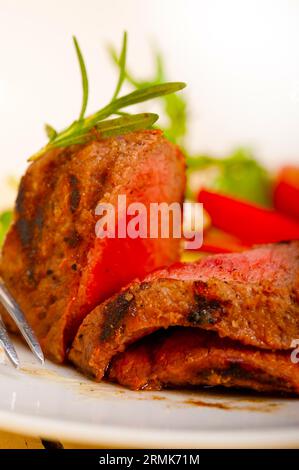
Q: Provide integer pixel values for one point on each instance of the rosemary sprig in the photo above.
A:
(96, 125)
(122, 67)
(50, 131)
(112, 127)
(175, 106)
(83, 77)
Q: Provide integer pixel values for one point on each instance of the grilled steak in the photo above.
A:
(52, 262)
(185, 357)
(250, 297)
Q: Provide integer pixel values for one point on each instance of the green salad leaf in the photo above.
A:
(5, 220)
(238, 175)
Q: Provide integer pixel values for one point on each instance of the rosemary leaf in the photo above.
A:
(137, 96)
(122, 67)
(90, 128)
(50, 131)
(125, 124)
(112, 127)
(175, 106)
(84, 78)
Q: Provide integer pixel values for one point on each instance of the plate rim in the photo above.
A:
(121, 436)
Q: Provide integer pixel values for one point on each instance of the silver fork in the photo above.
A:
(17, 315)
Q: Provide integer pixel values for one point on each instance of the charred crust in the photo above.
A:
(284, 242)
(205, 310)
(103, 177)
(30, 276)
(42, 314)
(73, 239)
(25, 230)
(206, 307)
(114, 312)
(20, 198)
(144, 285)
(25, 225)
(75, 193)
(39, 218)
(294, 296)
(237, 371)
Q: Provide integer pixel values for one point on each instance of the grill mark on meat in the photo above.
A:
(103, 177)
(25, 231)
(39, 218)
(74, 239)
(20, 197)
(114, 312)
(75, 195)
(30, 220)
(102, 183)
(205, 311)
(24, 225)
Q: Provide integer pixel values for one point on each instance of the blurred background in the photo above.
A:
(240, 59)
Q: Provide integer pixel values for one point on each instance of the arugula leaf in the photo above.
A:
(5, 220)
(238, 175)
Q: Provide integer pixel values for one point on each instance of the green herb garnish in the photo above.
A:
(97, 125)
(175, 106)
(122, 67)
(238, 175)
(84, 78)
(5, 220)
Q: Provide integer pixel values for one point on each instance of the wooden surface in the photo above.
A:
(15, 441)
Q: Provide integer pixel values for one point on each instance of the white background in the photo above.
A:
(240, 60)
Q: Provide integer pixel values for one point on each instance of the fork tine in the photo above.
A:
(8, 346)
(15, 312)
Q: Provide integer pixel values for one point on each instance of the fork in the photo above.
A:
(17, 315)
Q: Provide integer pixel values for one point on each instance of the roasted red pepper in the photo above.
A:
(252, 224)
(286, 191)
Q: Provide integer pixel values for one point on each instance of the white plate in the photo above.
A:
(58, 403)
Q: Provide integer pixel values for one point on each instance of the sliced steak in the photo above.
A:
(187, 357)
(52, 262)
(250, 297)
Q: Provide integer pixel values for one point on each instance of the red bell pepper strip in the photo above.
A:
(286, 191)
(252, 224)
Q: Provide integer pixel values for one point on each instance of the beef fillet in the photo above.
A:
(52, 262)
(184, 357)
(250, 298)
